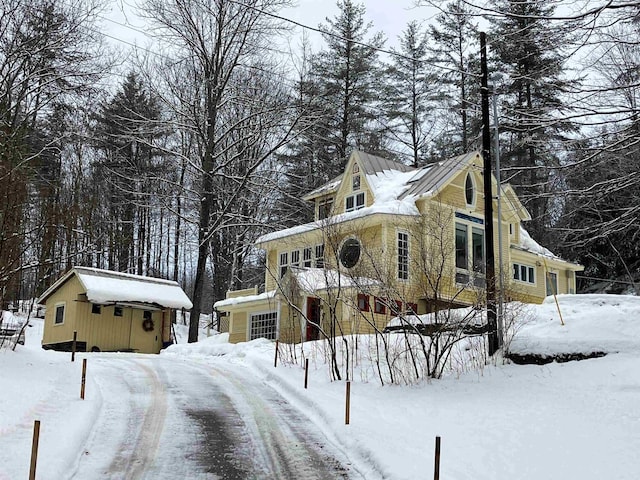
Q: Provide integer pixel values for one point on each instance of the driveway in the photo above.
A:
(169, 418)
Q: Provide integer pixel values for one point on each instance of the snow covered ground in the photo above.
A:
(574, 420)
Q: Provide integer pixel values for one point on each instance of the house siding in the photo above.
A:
(432, 230)
(103, 331)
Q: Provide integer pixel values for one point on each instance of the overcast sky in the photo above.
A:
(388, 16)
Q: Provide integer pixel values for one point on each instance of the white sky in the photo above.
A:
(388, 16)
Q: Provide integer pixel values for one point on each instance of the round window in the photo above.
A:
(350, 253)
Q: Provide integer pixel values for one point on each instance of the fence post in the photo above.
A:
(348, 405)
(73, 346)
(34, 449)
(84, 377)
(436, 467)
(275, 360)
(306, 372)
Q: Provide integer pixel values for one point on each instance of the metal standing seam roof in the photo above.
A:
(429, 178)
(437, 175)
(372, 164)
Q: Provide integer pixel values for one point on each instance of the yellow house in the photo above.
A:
(110, 311)
(387, 239)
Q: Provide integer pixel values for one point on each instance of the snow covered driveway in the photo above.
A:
(169, 418)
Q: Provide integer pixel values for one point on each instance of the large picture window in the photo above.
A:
(461, 246)
(264, 325)
(403, 256)
(470, 254)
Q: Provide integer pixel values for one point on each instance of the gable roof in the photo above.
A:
(437, 175)
(106, 287)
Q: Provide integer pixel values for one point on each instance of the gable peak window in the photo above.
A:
(469, 190)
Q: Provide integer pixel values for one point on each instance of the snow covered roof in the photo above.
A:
(530, 245)
(247, 298)
(106, 286)
(316, 279)
(390, 208)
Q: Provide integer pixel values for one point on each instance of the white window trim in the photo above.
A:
(263, 312)
(475, 190)
(547, 275)
(55, 313)
(316, 257)
(280, 264)
(469, 270)
(398, 232)
(291, 260)
(525, 282)
(355, 206)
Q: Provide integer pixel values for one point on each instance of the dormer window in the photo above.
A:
(354, 202)
(324, 208)
(469, 190)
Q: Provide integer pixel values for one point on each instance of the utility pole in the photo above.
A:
(490, 271)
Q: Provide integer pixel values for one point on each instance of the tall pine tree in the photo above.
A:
(347, 73)
(526, 49)
(410, 96)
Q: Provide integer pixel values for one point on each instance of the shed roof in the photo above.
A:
(106, 286)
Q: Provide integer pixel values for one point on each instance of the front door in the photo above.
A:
(313, 319)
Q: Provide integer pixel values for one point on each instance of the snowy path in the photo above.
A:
(173, 419)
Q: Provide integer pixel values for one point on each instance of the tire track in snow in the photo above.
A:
(131, 462)
(289, 448)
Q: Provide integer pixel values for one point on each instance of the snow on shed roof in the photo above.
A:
(106, 286)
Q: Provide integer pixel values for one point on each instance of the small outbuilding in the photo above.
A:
(110, 311)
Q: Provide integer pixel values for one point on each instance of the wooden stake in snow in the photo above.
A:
(348, 405)
(306, 372)
(73, 346)
(34, 449)
(84, 377)
(436, 467)
(275, 360)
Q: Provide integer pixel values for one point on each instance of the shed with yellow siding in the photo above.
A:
(110, 311)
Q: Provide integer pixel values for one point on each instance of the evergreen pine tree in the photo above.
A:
(411, 93)
(454, 50)
(526, 49)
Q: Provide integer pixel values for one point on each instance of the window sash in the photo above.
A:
(264, 325)
(403, 256)
(284, 263)
(319, 256)
(477, 249)
(524, 273)
(461, 246)
(307, 261)
(295, 258)
(59, 318)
